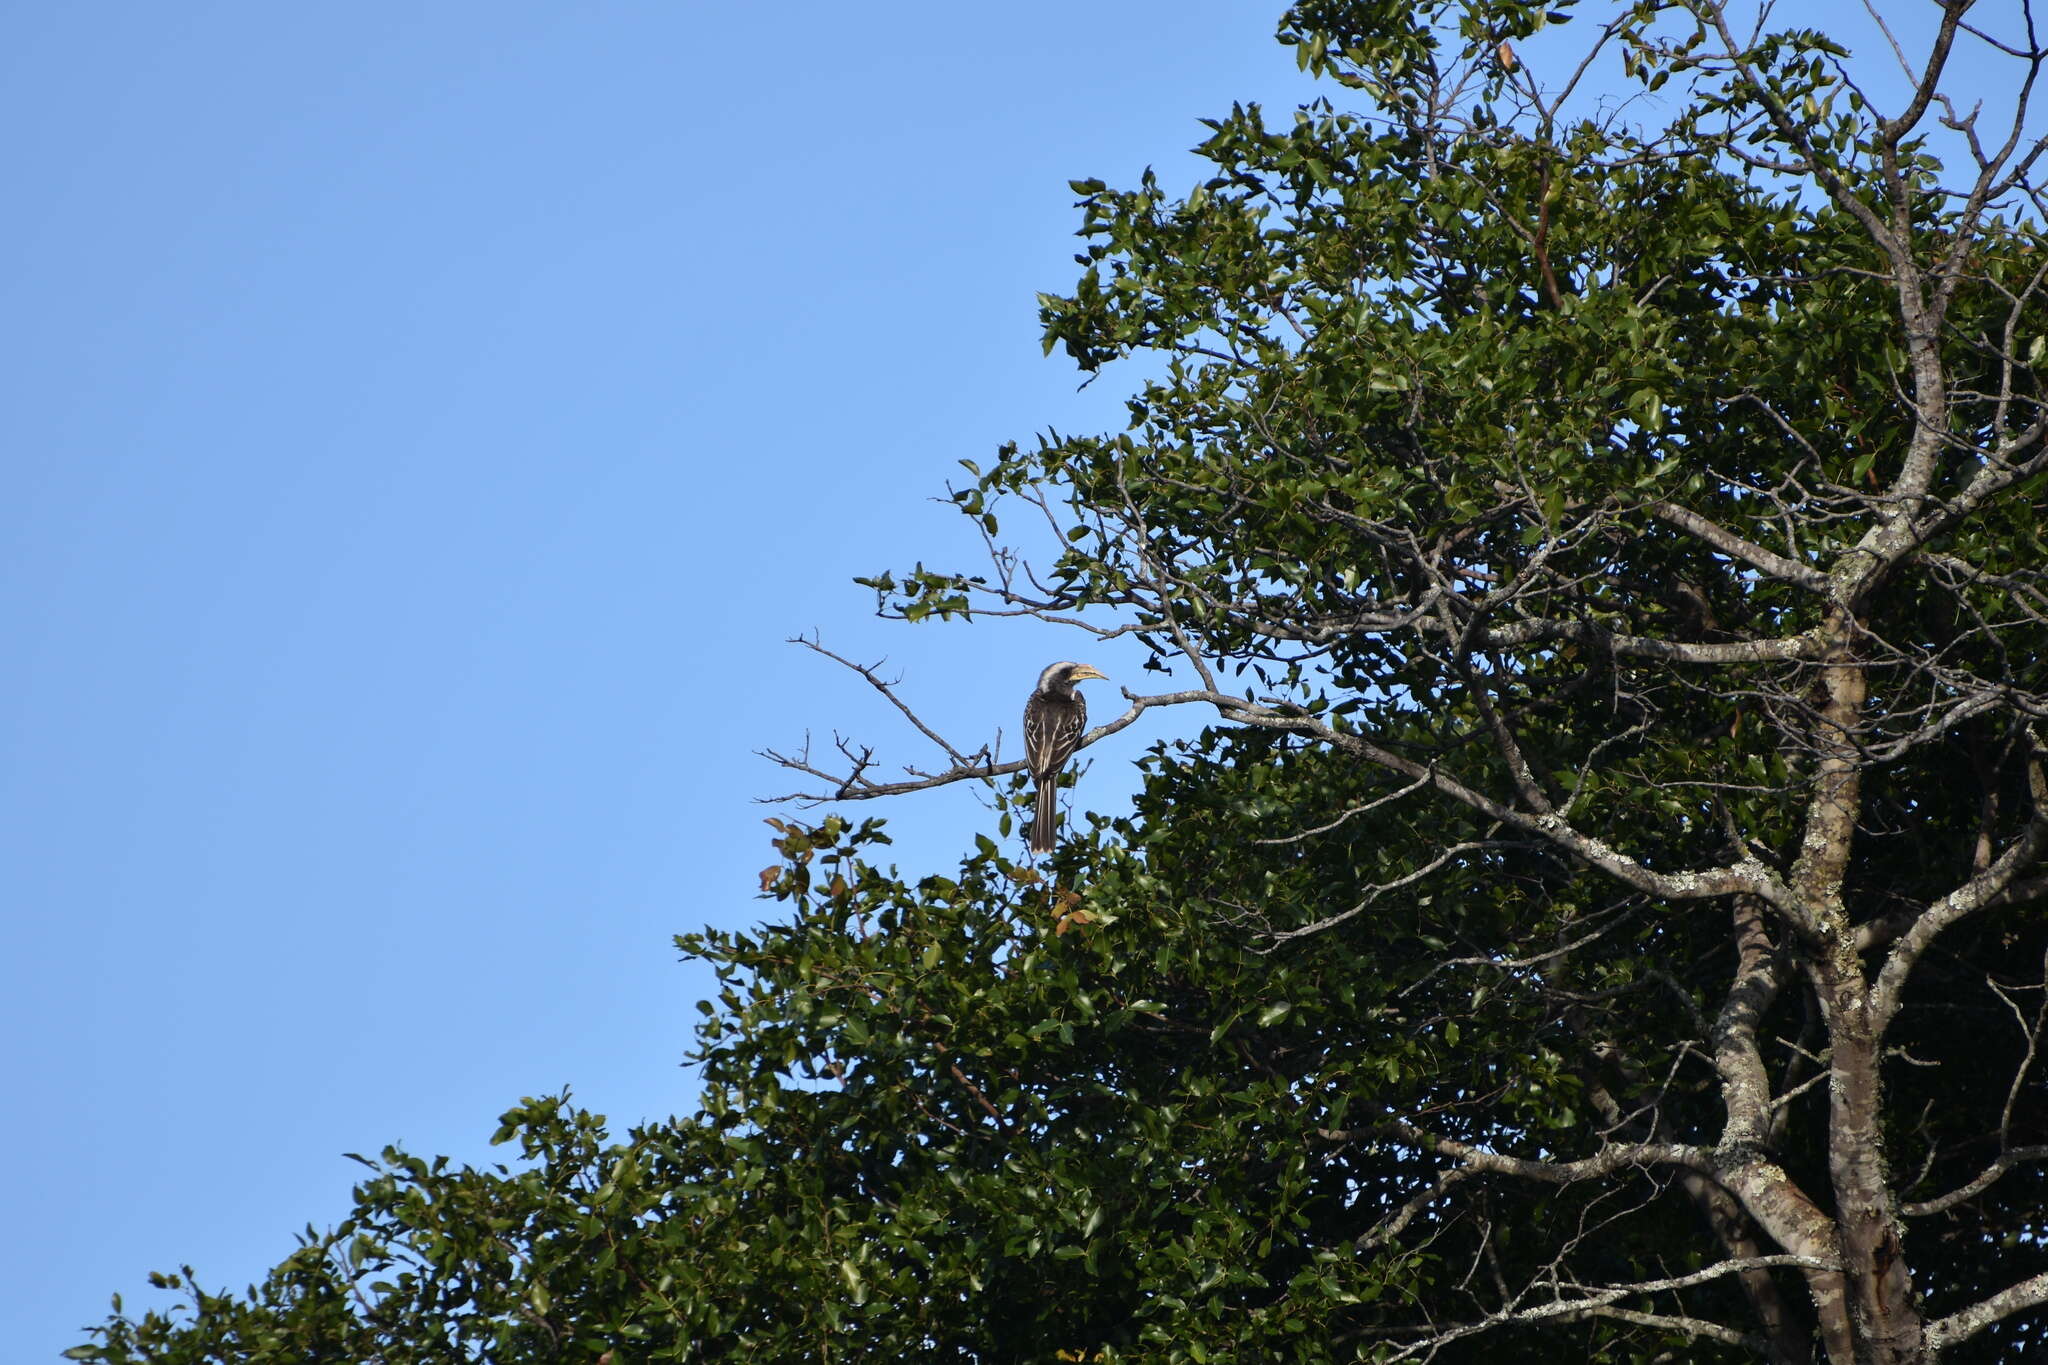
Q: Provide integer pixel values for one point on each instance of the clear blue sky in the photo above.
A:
(422, 425)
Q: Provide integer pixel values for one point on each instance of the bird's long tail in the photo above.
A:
(1042, 823)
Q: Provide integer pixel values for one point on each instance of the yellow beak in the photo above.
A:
(1086, 671)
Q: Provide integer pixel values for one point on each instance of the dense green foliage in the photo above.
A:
(1625, 545)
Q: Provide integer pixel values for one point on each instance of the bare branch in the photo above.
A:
(1373, 893)
(1349, 812)
(888, 690)
(1728, 543)
(1983, 1180)
(1595, 1301)
(1981, 891)
(2031, 1292)
(1616, 1157)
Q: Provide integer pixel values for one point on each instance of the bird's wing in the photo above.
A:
(1052, 731)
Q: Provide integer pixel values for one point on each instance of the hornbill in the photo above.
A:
(1054, 719)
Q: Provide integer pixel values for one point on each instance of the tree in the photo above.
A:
(1604, 912)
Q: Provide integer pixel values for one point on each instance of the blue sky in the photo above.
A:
(422, 427)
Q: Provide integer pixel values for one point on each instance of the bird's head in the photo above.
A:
(1062, 676)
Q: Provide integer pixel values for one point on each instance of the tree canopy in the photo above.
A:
(1604, 914)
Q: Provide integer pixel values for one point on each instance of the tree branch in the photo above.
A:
(1943, 1333)
(1734, 546)
(1979, 892)
(1596, 1301)
(2018, 1156)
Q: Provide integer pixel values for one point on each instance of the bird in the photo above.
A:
(1055, 717)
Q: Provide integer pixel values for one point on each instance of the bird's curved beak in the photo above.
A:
(1087, 671)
